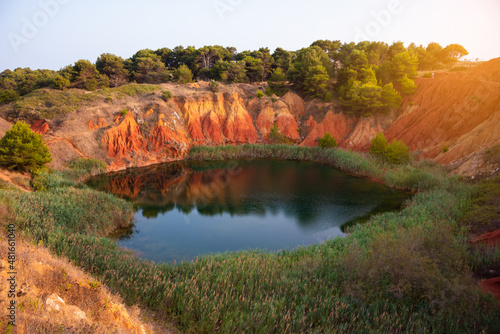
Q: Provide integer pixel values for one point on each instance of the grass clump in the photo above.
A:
(79, 170)
(69, 209)
(132, 89)
(166, 95)
(214, 86)
(88, 166)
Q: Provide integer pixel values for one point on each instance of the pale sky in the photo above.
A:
(54, 33)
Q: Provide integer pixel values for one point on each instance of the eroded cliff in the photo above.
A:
(452, 119)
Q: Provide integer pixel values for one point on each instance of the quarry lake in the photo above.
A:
(188, 209)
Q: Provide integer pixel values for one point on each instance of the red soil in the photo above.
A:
(40, 127)
(491, 238)
(460, 110)
(337, 124)
(492, 286)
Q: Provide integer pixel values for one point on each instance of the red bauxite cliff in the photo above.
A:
(457, 110)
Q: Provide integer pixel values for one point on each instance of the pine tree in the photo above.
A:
(22, 149)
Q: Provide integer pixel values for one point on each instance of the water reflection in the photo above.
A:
(186, 209)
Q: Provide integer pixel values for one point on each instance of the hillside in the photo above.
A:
(134, 126)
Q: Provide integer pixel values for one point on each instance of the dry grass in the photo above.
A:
(40, 275)
(21, 181)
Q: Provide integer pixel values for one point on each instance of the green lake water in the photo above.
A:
(188, 209)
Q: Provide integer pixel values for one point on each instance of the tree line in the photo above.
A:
(366, 77)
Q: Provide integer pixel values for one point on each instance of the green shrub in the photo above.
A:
(166, 95)
(124, 111)
(277, 82)
(183, 74)
(397, 152)
(269, 91)
(259, 94)
(8, 95)
(327, 141)
(446, 149)
(22, 149)
(214, 86)
(417, 264)
(328, 97)
(378, 145)
(408, 86)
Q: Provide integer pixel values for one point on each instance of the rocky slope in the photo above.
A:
(459, 111)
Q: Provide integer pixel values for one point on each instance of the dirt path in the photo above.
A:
(70, 143)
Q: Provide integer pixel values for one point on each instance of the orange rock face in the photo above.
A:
(124, 138)
(338, 125)
(96, 125)
(212, 129)
(239, 126)
(362, 135)
(204, 116)
(40, 127)
(276, 113)
(265, 121)
(295, 103)
(163, 138)
(460, 110)
(288, 127)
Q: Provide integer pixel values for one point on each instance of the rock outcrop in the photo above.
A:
(124, 138)
(100, 123)
(239, 127)
(40, 127)
(337, 124)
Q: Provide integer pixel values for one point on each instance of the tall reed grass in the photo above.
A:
(399, 272)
